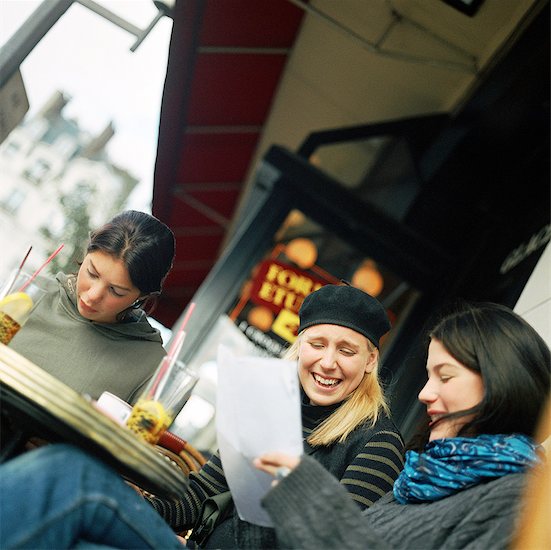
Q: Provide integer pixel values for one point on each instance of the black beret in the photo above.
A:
(346, 306)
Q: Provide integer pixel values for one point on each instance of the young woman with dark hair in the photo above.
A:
(91, 330)
(144, 245)
(490, 340)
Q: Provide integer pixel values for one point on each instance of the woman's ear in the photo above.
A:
(371, 361)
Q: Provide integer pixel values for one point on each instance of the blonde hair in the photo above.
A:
(363, 404)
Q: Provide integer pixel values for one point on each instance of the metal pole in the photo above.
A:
(18, 47)
(140, 34)
(143, 34)
(110, 16)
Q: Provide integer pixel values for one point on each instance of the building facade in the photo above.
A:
(57, 181)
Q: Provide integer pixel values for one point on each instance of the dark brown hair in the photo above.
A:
(144, 244)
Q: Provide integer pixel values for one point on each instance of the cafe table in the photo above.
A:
(38, 404)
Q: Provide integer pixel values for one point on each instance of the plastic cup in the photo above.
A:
(18, 299)
(162, 399)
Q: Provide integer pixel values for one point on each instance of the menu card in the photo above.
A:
(257, 411)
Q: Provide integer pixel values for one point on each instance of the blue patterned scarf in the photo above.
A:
(450, 465)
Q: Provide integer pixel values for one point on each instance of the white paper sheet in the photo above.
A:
(257, 411)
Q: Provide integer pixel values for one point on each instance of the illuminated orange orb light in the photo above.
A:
(302, 252)
(368, 278)
(261, 318)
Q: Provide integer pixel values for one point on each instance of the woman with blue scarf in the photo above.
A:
(488, 382)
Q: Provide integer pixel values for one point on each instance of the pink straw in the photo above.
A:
(174, 349)
(179, 338)
(52, 256)
(177, 344)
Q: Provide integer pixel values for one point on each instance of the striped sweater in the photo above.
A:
(366, 464)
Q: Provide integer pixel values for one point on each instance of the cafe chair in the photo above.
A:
(181, 453)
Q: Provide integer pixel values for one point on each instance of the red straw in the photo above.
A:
(176, 344)
(16, 274)
(52, 256)
(24, 259)
(174, 349)
(180, 335)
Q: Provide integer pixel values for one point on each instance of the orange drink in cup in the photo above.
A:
(17, 301)
(166, 393)
(149, 420)
(163, 398)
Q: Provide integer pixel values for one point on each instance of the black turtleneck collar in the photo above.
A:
(313, 415)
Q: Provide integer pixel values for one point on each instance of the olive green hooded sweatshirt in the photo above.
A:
(89, 357)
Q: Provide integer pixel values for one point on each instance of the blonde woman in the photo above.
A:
(346, 423)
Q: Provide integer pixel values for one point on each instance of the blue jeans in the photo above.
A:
(60, 497)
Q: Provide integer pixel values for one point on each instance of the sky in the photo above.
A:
(89, 58)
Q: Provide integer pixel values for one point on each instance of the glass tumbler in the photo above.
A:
(162, 399)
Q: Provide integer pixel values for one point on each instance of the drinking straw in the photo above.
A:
(16, 274)
(179, 338)
(24, 259)
(176, 344)
(33, 276)
(174, 349)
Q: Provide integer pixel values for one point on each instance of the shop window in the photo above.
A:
(66, 145)
(37, 128)
(380, 170)
(11, 149)
(13, 201)
(305, 257)
(37, 171)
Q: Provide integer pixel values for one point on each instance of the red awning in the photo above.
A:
(225, 62)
